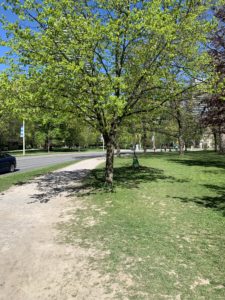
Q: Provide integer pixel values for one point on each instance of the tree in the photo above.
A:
(77, 133)
(214, 113)
(105, 60)
(187, 127)
(8, 123)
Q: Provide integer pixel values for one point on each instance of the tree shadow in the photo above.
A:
(129, 177)
(214, 202)
(215, 172)
(55, 183)
(200, 162)
(84, 182)
(20, 183)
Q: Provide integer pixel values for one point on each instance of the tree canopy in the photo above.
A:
(106, 60)
(214, 113)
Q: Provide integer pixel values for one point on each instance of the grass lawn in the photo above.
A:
(7, 180)
(36, 152)
(163, 228)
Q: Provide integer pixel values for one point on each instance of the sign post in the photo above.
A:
(153, 141)
(22, 135)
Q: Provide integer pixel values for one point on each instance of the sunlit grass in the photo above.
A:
(163, 227)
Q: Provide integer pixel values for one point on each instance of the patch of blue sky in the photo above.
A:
(10, 17)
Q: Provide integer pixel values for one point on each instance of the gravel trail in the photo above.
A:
(33, 265)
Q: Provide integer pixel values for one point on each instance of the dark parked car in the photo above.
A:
(7, 163)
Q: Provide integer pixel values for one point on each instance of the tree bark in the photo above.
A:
(181, 144)
(109, 162)
(215, 140)
(118, 149)
(49, 144)
(222, 143)
(180, 131)
(144, 137)
(110, 142)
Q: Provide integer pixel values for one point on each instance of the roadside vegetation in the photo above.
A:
(119, 74)
(84, 84)
(7, 180)
(31, 152)
(162, 229)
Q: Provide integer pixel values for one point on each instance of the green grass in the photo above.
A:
(163, 227)
(7, 180)
(36, 152)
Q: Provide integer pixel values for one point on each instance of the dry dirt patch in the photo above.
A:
(32, 264)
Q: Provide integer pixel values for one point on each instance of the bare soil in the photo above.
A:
(33, 265)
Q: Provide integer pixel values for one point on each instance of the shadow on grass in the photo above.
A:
(200, 162)
(215, 172)
(215, 202)
(127, 177)
(73, 183)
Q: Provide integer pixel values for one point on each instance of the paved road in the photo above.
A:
(29, 163)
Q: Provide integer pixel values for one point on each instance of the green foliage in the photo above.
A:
(181, 119)
(105, 60)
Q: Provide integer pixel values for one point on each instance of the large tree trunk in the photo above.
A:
(110, 146)
(181, 145)
(109, 163)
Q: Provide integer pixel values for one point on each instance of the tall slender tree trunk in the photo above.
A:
(49, 143)
(180, 138)
(117, 149)
(221, 142)
(215, 140)
(144, 137)
(180, 131)
(153, 142)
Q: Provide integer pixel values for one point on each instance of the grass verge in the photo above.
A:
(19, 153)
(163, 228)
(7, 180)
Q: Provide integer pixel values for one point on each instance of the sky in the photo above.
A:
(10, 17)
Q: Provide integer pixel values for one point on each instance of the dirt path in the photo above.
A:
(33, 265)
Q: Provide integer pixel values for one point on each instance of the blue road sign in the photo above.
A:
(22, 132)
